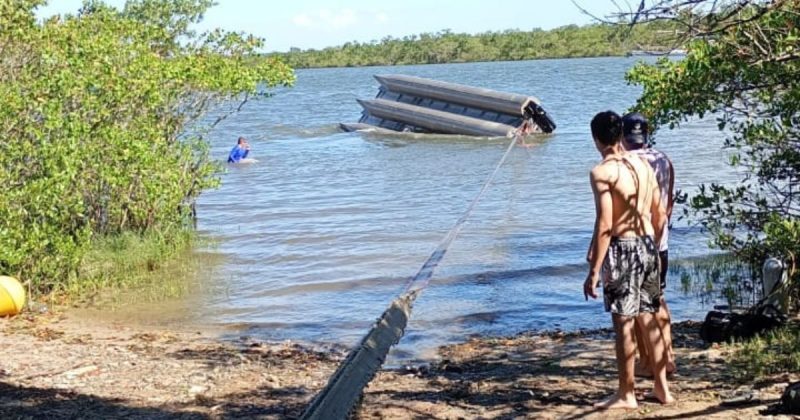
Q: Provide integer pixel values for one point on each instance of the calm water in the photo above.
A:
(315, 240)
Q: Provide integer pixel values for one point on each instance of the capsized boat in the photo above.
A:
(414, 104)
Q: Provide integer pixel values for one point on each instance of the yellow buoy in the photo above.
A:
(12, 296)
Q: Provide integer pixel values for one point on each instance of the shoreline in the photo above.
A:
(629, 54)
(471, 62)
(61, 366)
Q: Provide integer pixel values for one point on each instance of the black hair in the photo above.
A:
(607, 128)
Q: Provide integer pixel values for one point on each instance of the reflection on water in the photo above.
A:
(318, 237)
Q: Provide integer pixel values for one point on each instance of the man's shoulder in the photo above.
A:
(652, 153)
(604, 169)
(654, 156)
(663, 156)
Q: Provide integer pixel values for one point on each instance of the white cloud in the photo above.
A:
(327, 19)
(302, 20)
(381, 17)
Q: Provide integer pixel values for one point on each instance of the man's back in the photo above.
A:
(664, 173)
(633, 187)
(662, 167)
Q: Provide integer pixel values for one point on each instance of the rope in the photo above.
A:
(345, 386)
(423, 277)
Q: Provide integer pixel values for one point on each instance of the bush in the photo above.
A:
(778, 351)
(742, 65)
(102, 120)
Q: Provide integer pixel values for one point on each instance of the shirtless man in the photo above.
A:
(628, 225)
(635, 136)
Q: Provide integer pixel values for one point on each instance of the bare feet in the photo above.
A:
(664, 397)
(644, 371)
(615, 402)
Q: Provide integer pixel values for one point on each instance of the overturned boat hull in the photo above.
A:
(435, 121)
(408, 103)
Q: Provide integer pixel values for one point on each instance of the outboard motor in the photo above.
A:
(540, 117)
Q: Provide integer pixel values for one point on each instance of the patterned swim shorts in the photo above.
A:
(631, 278)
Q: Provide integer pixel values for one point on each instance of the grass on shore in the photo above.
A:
(716, 278)
(155, 264)
(775, 352)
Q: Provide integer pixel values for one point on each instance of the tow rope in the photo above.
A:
(345, 386)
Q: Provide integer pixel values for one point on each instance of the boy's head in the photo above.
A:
(606, 129)
(634, 129)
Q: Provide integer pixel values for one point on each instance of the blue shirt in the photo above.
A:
(237, 154)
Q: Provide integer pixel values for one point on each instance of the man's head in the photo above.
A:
(634, 130)
(241, 140)
(606, 129)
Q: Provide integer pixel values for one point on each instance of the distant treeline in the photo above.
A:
(447, 47)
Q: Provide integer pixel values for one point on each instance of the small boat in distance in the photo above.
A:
(418, 105)
(656, 52)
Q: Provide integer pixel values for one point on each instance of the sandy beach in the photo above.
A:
(64, 366)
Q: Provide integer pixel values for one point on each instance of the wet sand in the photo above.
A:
(63, 366)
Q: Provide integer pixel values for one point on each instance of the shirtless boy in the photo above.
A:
(628, 225)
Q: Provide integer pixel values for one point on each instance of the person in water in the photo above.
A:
(628, 225)
(240, 151)
(635, 140)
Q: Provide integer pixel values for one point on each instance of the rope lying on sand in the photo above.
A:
(345, 386)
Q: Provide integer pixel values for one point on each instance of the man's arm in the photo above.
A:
(671, 196)
(658, 211)
(602, 229)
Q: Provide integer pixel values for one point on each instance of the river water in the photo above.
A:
(312, 242)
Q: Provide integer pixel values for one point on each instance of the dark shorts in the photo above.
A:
(663, 256)
(632, 278)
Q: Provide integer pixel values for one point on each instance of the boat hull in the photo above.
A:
(414, 104)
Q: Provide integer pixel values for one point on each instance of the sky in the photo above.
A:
(322, 23)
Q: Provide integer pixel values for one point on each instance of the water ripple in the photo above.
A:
(322, 232)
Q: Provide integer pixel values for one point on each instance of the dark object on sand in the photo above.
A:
(790, 401)
(765, 315)
(413, 104)
(721, 327)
